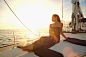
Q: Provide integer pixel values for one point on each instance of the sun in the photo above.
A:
(34, 16)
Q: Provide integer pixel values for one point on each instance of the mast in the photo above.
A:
(77, 15)
(62, 10)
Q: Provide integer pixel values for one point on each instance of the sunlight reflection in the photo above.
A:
(23, 42)
(32, 36)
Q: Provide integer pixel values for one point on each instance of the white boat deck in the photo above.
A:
(81, 36)
(67, 49)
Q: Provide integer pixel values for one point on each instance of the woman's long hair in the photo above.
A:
(58, 19)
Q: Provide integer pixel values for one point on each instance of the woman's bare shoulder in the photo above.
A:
(62, 24)
(50, 25)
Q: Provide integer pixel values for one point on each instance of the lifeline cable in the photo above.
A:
(17, 17)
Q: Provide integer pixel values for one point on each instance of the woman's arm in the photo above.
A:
(62, 32)
(49, 28)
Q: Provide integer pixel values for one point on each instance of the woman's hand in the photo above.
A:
(55, 38)
(67, 37)
(28, 48)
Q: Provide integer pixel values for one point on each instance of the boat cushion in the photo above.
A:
(45, 52)
(76, 41)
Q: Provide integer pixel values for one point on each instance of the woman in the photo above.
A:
(55, 30)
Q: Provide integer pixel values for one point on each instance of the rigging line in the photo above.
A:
(85, 8)
(62, 10)
(17, 17)
(82, 7)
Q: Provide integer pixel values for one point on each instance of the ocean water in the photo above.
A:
(7, 36)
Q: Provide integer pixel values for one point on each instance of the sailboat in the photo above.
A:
(78, 21)
(71, 47)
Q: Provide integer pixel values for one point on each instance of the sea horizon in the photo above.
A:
(7, 35)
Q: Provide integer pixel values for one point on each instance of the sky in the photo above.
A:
(34, 14)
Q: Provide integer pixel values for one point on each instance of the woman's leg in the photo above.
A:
(43, 51)
(46, 44)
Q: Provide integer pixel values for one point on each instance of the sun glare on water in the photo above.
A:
(32, 35)
(23, 42)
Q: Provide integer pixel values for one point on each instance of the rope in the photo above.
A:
(18, 18)
(85, 8)
(62, 10)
